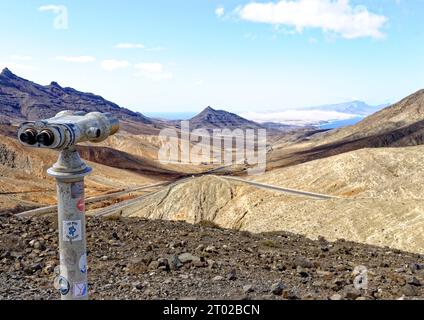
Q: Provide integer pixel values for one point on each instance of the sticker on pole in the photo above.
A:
(81, 204)
(80, 290)
(77, 190)
(72, 231)
(83, 263)
(62, 284)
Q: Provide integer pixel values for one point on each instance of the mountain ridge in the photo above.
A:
(211, 118)
(22, 99)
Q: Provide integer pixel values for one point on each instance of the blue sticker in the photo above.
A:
(72, 231)
(80, 290)
(83, 263)
(63, 285)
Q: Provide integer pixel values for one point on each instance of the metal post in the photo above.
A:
(69, 172)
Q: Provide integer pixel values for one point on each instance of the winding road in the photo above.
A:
(130, 205)
(316, 196)
(53, 209)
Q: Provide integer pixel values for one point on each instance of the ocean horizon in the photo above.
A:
(188, 115)
(171, 115)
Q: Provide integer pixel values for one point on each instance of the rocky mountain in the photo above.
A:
(219, 119)
(22, 99)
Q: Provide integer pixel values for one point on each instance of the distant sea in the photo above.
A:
(188, 115)
(170, 115)
(340, 123)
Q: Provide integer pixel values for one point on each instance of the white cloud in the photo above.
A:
(153, 71)
(336, 16)
(129, 46)
(111, 64)
(138, 46)
(76, 59)
(61, 19)
(220, 11)
(51, 7)
(20, 58)
(298, 117)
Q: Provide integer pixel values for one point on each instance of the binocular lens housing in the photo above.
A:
(29, 136)
(46, 138)
(67, 129)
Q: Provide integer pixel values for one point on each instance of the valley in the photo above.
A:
(359, 184)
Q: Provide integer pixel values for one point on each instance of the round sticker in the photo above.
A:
(62, 284)
(83, 263)
(81, 205)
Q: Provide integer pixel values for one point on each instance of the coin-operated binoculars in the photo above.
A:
(63, 133)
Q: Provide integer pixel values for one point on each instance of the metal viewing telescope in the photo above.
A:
(63, 132)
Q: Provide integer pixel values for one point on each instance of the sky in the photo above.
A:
(241, 56)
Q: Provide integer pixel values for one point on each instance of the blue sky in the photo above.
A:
(237, 55)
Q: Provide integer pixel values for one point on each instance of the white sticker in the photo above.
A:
(62, 284)
(83, 263)
(72, 230)
(80, 289)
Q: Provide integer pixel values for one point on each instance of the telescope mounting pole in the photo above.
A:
(69, 172)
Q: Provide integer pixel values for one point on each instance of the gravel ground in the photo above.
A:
(142, 259)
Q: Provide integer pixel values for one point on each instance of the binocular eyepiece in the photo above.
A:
(31, 137)
(68, 128)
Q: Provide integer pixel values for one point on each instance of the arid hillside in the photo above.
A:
(401, 115)
(399, 125)
(367, 173)
(141, 153)
(380, 202)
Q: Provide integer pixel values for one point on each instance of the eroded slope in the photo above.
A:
(381, 200)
